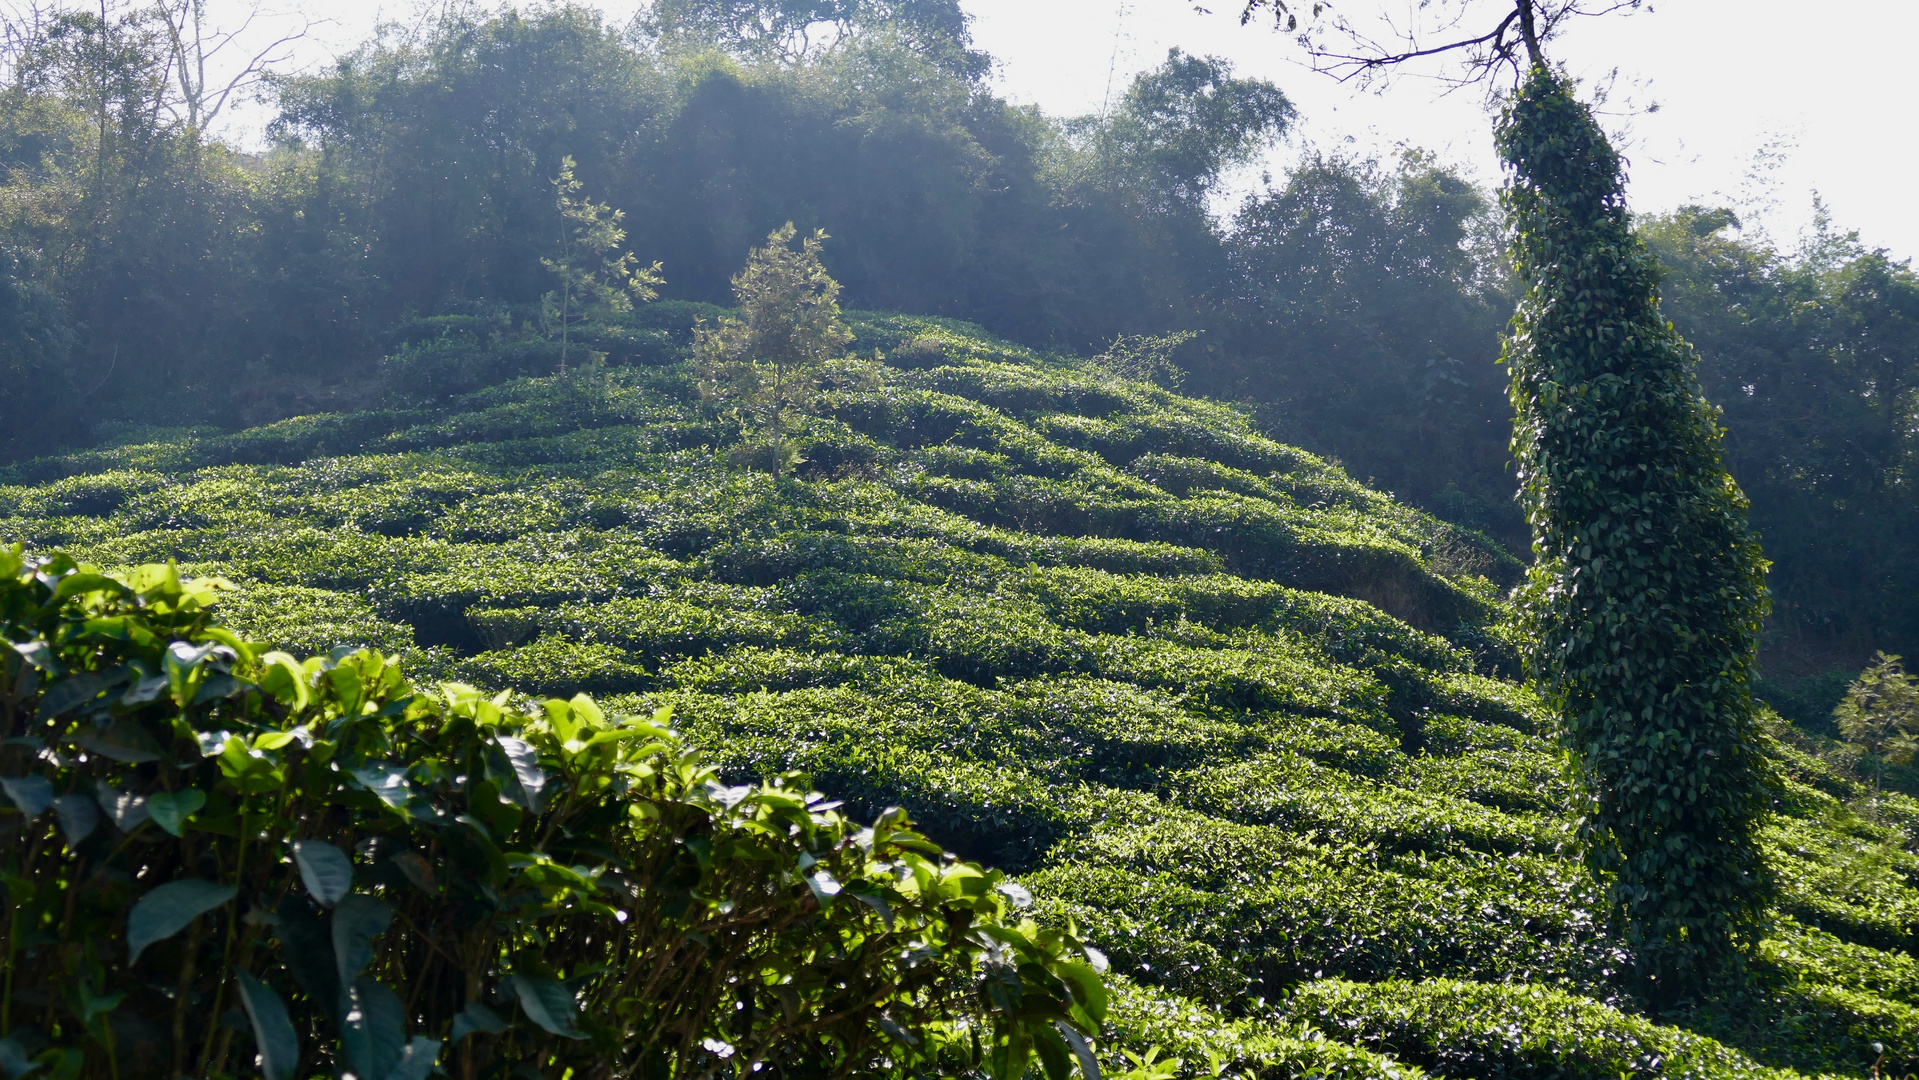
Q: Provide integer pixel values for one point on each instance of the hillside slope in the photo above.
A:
(1251, 724)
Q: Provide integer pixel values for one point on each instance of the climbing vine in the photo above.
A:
(1648, 589)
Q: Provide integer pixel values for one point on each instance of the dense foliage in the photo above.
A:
(1646, 596)
(447, 879)
(1250, 725)
(1813, 356)
(151, 274)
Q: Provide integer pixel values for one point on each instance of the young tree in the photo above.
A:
(765, 367)
(1143, 358)
(597, 279)
(1880, 712)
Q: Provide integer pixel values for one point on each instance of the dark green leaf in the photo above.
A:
(549, 1004)
(1054, 1059)
(357, 920)
(13, 1059)
(374, 1035)
(273, 1033)
(69, 694)
(167, 910)
(127, 742)
(417, 1060)
(895, 1031)
(522, 779)
(324, 869)
(31, 795)
(1088, 1063)
(877, 903)
(307, 951)
(78, 817)
(170, 811)
(476, 1017)
(126, 811)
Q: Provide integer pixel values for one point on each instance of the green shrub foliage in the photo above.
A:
(213, 854)
(1646, 598)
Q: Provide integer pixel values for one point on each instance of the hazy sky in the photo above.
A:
(1760, 102)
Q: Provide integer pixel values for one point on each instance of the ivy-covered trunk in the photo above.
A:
(1648, 589)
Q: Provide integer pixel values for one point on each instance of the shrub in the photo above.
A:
(383, 880)
(1500, 1032)
(1195, 1037)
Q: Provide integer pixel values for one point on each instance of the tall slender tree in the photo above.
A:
(597, 280)
(1647, 593)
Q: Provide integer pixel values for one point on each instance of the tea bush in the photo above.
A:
(1246, 723)
(1455, 1028)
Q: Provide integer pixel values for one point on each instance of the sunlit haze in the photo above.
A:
(1760, 103)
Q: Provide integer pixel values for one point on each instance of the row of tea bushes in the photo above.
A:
(1088, 630)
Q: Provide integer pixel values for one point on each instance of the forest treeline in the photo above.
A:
(156, 276)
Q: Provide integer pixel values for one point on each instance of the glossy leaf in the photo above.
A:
(273, 1034)
(170, 810)
(31, 795)
(165, 911)
(548, 1004)
(374, 1033)
(125, 741)
(78, 816)
(126, 810)
(417, 1060)
(324, 869)
(357, 921)
(523, 780)
(476, 1017)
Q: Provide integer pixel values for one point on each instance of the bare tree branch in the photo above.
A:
(1517, 39)
(195, 45)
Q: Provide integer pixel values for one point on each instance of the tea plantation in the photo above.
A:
(1255, 728)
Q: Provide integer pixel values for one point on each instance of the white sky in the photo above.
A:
(1828, 87)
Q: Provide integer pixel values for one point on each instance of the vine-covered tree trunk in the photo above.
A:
(1647, 594)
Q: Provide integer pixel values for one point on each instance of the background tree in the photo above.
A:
(764, 367)
(796, 31)
(1812, 353)
(1353, 304)
(598, 281)
(1880, 712)
(1364, 324)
